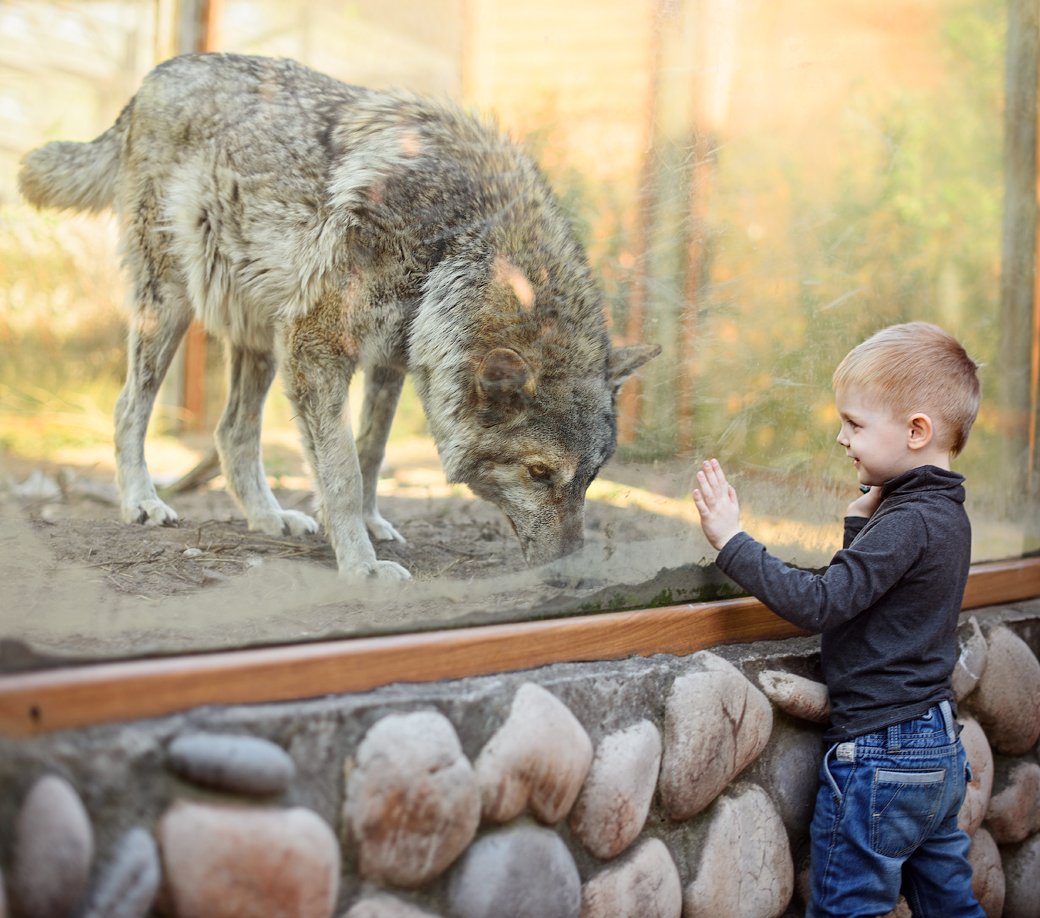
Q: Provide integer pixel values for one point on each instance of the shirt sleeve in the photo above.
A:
(857, 577)
(853, 527)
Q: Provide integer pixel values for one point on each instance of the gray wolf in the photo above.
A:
(331, 228)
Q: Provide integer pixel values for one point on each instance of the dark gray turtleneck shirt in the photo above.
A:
(887, 605)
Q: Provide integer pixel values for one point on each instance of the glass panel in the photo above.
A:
(759, 184)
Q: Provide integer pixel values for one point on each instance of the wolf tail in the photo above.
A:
(75, 176)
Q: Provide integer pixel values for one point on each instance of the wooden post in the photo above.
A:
(1033, 470)
(715, 31)
(1019, 281)
(198, 31)
(646, 198)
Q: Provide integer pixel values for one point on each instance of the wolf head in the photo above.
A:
(519, 382)
(542, 442)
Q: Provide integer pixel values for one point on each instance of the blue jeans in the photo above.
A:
(886, 822)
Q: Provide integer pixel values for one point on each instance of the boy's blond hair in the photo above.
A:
(917, 367)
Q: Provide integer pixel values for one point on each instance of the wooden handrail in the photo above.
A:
(39, 702)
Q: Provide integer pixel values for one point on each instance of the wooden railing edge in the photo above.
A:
(64, 698)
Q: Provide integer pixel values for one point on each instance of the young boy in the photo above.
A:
(893, 778)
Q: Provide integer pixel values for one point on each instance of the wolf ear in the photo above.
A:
(504, 384)
(624, 361)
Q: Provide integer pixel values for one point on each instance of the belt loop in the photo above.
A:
(948, 721)
(893, 738)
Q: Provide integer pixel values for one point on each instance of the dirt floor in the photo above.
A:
(80, 584)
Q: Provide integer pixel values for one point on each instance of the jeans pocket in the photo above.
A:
(903, 806)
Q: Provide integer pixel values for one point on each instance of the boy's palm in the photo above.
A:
(717, 504)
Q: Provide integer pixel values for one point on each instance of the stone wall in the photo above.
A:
(662, 786)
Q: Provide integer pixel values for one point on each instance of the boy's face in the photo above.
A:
(878, 443)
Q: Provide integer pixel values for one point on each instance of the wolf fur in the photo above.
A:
(331, 228)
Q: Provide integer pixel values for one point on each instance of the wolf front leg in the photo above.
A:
(382, 392)
(317, 375)
(250, 374)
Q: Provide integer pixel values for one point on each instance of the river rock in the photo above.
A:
(539, 758)
(226, 861)
(716, 723)
(129, 883)
(788, 772)
(1022, 879)
(381, 905)
(613, 805)
(413, 802)
(240, 764)
(53, 850)
(644, 884)
(524, 872)
(745, 866)
(1007, 697)
(1014, 812)
(987, 873)
(977, 793)
(803, 698)
(971, 662)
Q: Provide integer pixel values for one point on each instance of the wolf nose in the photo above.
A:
(536, 553)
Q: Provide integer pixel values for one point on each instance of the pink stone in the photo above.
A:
(381, 905)
(645, 883)
(53, 852)
(987, 873)
(745, 863)
(1006, 700)
(225, 861)
(971, 663)
(977, 793)
(716, 724)
(614, 803)
(1014, 813)
(803, 698)
(539, 758)
(413, 803)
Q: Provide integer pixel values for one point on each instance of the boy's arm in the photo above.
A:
(856, 578)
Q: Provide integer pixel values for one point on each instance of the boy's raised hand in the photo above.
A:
(717, 504)
(865, 505)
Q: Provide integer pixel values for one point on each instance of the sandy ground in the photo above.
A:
(78, 583)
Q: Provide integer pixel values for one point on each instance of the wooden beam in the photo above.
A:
(40, 702)
(200, 31)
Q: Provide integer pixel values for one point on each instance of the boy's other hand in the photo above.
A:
(717, 504)
(865, 505)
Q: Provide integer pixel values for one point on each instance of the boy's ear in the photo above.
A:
(919, 431)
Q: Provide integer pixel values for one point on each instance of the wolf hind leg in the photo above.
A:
(317, 376)
(382, 392)
(155, 332)
(250, 374)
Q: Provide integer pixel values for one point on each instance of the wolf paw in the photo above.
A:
(284, 522)
(382, 531)
(149, 512)
(389, 571)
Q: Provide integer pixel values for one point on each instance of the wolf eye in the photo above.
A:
(539, 472)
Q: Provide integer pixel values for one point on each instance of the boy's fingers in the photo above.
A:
(706, 490)
(721, 475)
